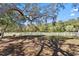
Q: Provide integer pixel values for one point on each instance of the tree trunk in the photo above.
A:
(2, 32)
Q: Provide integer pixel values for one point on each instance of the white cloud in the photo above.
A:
(72, 14)
(74, 10)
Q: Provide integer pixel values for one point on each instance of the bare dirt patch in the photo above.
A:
(31, 46)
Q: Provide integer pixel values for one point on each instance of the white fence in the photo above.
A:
(65, 34)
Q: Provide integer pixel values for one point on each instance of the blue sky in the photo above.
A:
(66, 14)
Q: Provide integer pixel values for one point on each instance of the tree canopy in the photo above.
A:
(32, 13)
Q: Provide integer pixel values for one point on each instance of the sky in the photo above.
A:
(68, 13)
(64, 15)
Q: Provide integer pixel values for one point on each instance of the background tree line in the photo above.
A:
(71, 25)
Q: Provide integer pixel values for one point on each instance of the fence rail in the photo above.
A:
(65, 34)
